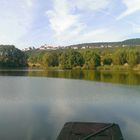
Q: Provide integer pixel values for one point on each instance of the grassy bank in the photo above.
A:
(99, 68)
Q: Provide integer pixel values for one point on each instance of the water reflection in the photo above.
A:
(124, 77)
(36, 108)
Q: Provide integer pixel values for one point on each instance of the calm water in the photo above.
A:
(124, 77)
(36, 108)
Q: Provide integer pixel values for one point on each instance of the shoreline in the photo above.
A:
(114, 68)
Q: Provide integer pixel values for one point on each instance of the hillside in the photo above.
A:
(11, 56)
(135, 41)
(129, 42)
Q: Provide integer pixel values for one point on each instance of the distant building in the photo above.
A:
(29, 48)
(84, 47)
(75, 48)
(48, 47)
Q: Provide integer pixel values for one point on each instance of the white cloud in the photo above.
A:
(94, 35)
(60, 17)
(70, 35)
(68, 26)
(131, 7)
(70, 21)
(136, 28)
(64, 24)
(100, 35)
(15, 21)
(61, 22)
(92, 4)
(29, 2)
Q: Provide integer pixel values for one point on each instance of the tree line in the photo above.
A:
(69, 58)
(12, 57)
(84, 58)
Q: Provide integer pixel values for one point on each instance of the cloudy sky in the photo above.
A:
(62, 22)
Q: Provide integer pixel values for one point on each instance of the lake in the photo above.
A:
(122, 77)
(35, 106)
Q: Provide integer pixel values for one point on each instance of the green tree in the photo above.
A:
(120, 57)
(50, 59)
(11, 56)
(133, 57)
(70, 59)
(107, 61)
(91, 59)
(45, 60)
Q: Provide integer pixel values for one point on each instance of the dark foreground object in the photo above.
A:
(90, 131)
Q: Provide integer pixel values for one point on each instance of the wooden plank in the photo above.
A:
(90, 131)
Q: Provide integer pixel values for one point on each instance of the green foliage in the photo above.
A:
(119, 57)
(107, 61)
(89, 58)
(92, 59)
(133, 57)
(50, 59)
(132, 42)
(70, 59)
(64, 61)
(86, 58)
(11, 57)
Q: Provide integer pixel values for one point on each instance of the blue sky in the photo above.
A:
(62, 22)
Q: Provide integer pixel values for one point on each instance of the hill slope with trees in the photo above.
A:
(129, 42)
(119, 57)
(91, 58)
(11, 57)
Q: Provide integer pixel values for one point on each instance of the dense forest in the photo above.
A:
(97, 58)
(11, 57)
(107, 58)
